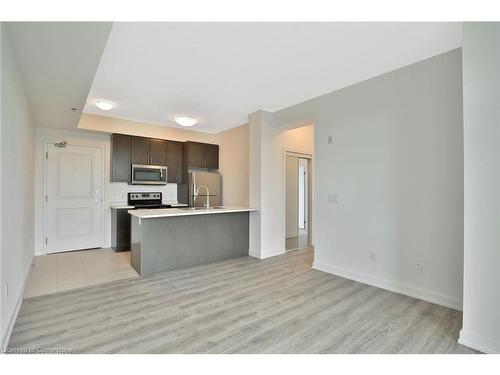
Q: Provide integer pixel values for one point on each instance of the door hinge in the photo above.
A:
(46, 198)
(46, 241)
(46, 154)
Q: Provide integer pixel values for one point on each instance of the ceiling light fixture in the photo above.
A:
(104, 105)
(186, 120)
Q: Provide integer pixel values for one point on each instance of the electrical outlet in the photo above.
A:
(117, 196)
(330, 139)
(373, 256)
(333, 198)
(420, 268)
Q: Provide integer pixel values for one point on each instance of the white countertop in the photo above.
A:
(169, 212)
(124, 205)
(119, 205)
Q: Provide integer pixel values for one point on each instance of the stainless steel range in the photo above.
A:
(146, 200)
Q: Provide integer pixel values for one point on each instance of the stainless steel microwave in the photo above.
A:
(143, 174)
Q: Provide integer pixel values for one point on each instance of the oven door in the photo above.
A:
(148, 174)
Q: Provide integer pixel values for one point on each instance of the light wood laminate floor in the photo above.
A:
(242, 305)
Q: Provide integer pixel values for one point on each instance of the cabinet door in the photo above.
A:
(140, 150)
(195, 154)
(174, 162)
(157, 152)
(120, 229)
(120, 158)
(211, 156)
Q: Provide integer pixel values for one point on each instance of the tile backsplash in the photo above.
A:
(118, 191)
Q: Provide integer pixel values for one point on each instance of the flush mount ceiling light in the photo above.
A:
(186, 120)
(104, 105)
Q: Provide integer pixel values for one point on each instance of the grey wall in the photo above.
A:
(481, 72)
(17, 160)
(396, 168)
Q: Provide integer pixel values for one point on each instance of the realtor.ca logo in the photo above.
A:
(37, 350)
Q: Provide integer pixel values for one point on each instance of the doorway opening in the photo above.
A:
(297, 201)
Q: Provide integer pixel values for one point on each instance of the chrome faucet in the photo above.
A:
(207, 204)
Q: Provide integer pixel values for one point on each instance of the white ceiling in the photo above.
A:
(221, 72)
(57, 61)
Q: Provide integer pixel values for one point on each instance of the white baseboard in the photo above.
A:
(265, 254)
(479, 342)
(392, 286)
(13, 318)
(254, 253)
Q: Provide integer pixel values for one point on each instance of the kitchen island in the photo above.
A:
(165, 239)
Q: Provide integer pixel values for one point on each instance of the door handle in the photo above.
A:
(97, 196)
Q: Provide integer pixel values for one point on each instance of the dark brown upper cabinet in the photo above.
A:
(140, 150)
(177, 156)
(174, 162)
(157, 151)
(194, 154)
(120, 157)
(149, 151)
(127, 150)
(201, 155)
(212, 156)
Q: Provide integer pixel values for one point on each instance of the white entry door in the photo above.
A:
(73, 197)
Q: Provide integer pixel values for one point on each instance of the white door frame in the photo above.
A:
(303, 179)
(310, 190)
(45, 188)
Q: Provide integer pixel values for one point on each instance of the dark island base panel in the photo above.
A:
(166, 243)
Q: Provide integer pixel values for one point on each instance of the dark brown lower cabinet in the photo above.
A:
(120, 229)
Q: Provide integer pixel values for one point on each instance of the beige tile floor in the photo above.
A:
(57, 272)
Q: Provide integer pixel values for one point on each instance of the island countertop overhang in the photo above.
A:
(172, 212)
